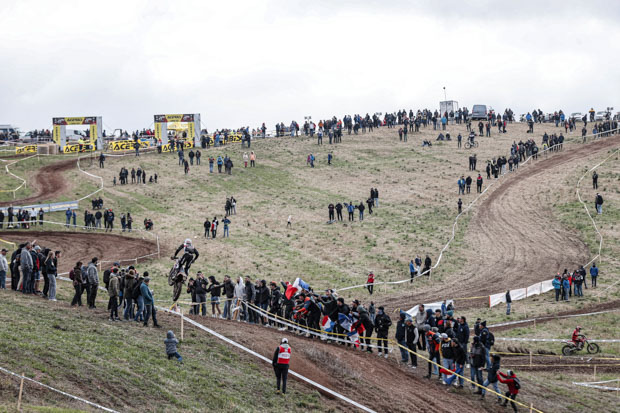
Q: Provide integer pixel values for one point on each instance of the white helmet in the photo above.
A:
(188, 242)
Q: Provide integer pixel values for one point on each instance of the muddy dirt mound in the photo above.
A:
(514, 239)
(79, 246)
(48, 183)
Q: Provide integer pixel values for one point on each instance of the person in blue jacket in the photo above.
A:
(350, 208)
(557, 285)
(68, 213)
(566, 286)
(149, 303)
(593, 273)
(220, 162)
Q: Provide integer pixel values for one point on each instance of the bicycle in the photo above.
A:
(469, 144)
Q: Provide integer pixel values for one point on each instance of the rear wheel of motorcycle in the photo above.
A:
(592, 348)
(567, 350)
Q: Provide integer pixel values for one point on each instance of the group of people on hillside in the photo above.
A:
(137, 176)
(569, 283)
(24, 218)
(335, 211)
(211, 227)
(28, 264)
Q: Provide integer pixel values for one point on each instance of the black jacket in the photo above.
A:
(462, 333)
(262, 294)
(275, 298)
(201, 286)
(382, 323)
(400, 330)
(215, 289)
(493, 372)
(229, 289)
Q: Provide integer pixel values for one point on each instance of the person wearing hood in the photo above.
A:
(130, 282)
(362, 314)
(275, 307)
(113, 291)
(239, 296)
(478, 360)
(510, 379)
(382, 326)
(171, 343)
(411, 338)
(492, 377)
(262, 297)
(401, 336)
(280, 362)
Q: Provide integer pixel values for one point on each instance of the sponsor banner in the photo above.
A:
(57, 206)
(127, 145)
(83, 120)
(187, 117)
(191, 131)
(77, 147)
(93, 132)
(158, 128)
(186, 145)
(56, 134)
(26, 149)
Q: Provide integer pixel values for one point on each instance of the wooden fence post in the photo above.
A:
(21, 389)
(530, 358)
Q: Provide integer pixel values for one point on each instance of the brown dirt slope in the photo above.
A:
(513, 238)
(48, 181)
(80, 246)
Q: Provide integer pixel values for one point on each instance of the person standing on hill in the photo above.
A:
(594, 180)
(92, 276)
(382, 326)
(593, 274)
(330, 209)
(339, 211)
(479, 181)
(598, 203)
(280, 362)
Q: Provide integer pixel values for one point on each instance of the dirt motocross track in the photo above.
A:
(48, 183)
(513, 239)
(81, 246)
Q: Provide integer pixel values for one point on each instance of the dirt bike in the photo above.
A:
(177, 278)
(470, 144)
(570, 347)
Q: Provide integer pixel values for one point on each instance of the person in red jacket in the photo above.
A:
(578, 338)
(511, 380)
(370, 282)
(280, 362)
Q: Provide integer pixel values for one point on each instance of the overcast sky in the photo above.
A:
(244, 62)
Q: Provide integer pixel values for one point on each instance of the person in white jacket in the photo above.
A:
(239, 295)
(4, 267)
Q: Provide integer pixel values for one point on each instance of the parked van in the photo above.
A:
(479, 112)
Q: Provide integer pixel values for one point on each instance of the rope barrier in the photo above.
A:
(531, 320)
(95, 405)
(596, 385)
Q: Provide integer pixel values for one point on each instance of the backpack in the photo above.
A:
(490, 339)
(135, 293)
(517, 383)
(71, 275)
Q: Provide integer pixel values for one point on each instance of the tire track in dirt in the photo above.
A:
(48, 182)
(514, 238)
(83, 246)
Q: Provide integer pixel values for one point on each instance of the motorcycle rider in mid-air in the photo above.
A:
(190, 255)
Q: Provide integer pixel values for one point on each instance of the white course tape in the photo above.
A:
(19, 376)
(597, 385)
(454, 226)
(265, 359)
(531, 320)
(554, 340)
